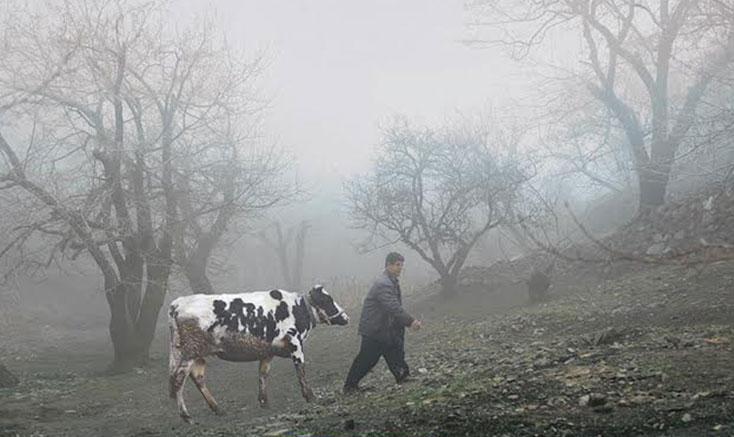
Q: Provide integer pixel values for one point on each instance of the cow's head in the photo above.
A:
(328, 310)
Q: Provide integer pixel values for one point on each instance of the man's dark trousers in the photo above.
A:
(369, 354)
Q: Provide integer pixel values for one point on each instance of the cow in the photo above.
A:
(254, 326)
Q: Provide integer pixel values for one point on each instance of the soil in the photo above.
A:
(647, 353)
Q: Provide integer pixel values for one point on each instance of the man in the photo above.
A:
(382, 327)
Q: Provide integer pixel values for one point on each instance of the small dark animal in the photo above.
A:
(538, 285)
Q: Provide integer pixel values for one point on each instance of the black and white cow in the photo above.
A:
(252, 326)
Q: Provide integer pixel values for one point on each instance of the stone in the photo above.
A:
(656, 249)
(584, 400)
(607, 336)
(596, 400)
(607, 407)
(279, 432)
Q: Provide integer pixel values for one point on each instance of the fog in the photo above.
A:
(335, 72)
(557, 175)
(337, 69)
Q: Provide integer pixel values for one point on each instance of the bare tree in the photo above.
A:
(237, 186)
(291, 265)
(586, 150)
(122, 138)
(638, 55)
(438, 191)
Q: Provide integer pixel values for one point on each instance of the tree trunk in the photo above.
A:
(132, 334)
(125, 345)
(129, 352)
(198, 280)
(448, 284)
(7, 379)
(155, 293)
(653, 183)
(297, 277)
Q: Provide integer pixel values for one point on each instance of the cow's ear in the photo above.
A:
(318, 287)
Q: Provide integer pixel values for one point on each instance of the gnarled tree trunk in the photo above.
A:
(448, 284)
(133, 320)
(653, 183)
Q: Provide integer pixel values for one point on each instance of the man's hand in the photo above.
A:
(415, 326)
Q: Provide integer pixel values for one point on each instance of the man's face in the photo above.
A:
(394, 269)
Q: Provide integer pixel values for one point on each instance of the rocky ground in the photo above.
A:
(618, 349)
(649, 353)
(700, 224)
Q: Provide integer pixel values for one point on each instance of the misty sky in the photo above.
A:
(338, 68)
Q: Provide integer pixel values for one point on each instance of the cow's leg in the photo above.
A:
(177, 379)
(298, 361)
(197, 375)
(305, 386)
(263, 394)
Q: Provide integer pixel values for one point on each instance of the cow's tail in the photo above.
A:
(174, 355)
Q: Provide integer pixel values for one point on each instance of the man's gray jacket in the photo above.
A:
(383, 316)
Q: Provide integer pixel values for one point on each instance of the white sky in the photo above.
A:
(339, 67)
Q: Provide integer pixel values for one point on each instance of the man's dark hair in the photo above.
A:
(393, 257)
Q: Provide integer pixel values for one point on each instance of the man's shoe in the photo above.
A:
(403, 379)
(350, 390)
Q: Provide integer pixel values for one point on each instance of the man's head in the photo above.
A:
(394, 264)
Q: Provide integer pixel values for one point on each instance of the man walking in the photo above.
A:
(382, 327)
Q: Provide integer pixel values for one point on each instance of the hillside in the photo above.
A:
(617, 350)
(650, 353)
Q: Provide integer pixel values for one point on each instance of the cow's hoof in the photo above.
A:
(187, 418)
(264, 405)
